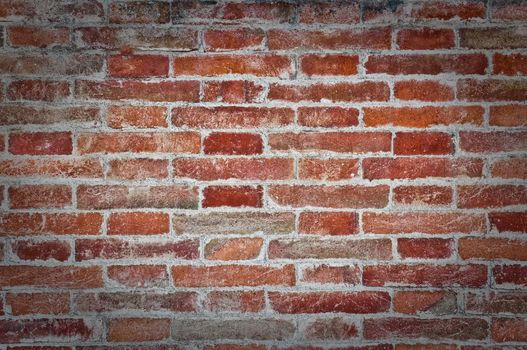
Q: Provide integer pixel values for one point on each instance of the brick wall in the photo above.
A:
(243, 175)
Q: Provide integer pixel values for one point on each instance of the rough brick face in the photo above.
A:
(263, 174)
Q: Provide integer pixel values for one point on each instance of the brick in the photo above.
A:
(420, 167)
(56, 168)
(40, 64)
(339, 92)
(233, 196)
(491, 196)
(331, 169)
(233, 249)
(350, 196)
(139, 12)
(21, 36)
(138, 223)
(139, 276)
(234, 223)
(492, 248)
(424, 248)
(509, 221)
(232, 275)
(119, 196)
(425, 302)
(138, 169)
(491, 90)
(346, 142)
(510, 168)
(90, 249)
(449, 10)
(513, 64)
(404, 328)
(232, 91)
(164, 91)
(234, 301)
(233, 143)
(81, 12)
(74, 277)
(137, 66)
(47, 115)
(303, 39)
(74, 223)
(20, 224)
(381, 11)
(332, 274)
(328, 117)
(119, 117)
(506, 10)
(233, 39)
(423, 117)
(494, 141)
(496, 302)
(415, 143)
(138, 329)
(422, 195)
(425, 275)
(217, 65)
(42, 250)
(368, 249)
(423, 90)
(40, 143)
(16, 331)
(39, 196)
(508, 115)
(493, 38)
(423, 222)
(337, 328)
(321, 302)
(338, 13)
(514, 275)
(207, 169)
(38, 303)
(509, 329)
(328, 223)
(426, 64)
(425, 38)
(231, 117)
(38, 90)
(329, 64)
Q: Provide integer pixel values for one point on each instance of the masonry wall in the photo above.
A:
(255, 175)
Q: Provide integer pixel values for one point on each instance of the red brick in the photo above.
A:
(493, 38)
(38, 36)
(56, 168)
(328, 223)
(138, 223)
(383, 11)
(514, 64)
(71, 330)
(508, 115)
(414, 328)
(74, 223)
(233, 196)
(496, 302)
(90, 249)
(138, 329)
(233, 249)
(233, 275)
(510, 168)
(509, 329)
(39, 196)
(233, 168)
(506, 10)
(414, 168)
(320, 12)
(38, 90)
(328, 169)
(321, 302)
(233, 143)
(423, 117)
(164, 91)
(424, 248)
(425, 38)
(425, 275)
(509, 221)
(232, 91)
(352, 142)
(138, 169)
(231, 117)
(419, 302)
(42, 64)
(298, 196)
(18, 114)
(422, 195)
(423, 222)
(427, 64)
(20, 224)
(491, 196)
(423, 90)
(42, 250)
(331, 274)
(234, 301)
(449, 10)
(217, 65)
(329, 64)
(337, 328)
(415, 143)
(233, 39)
(38, 303)
(139, 142)
(303, 39)
(492, 248)
(137, 66)
(328, 117)
(76, 277)
(137, 116)
(495, 141)
(491, 90)
(119, 196)
(339, 92)
(510, 275)
(139, 12)
(139, 276)
(40, 143)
